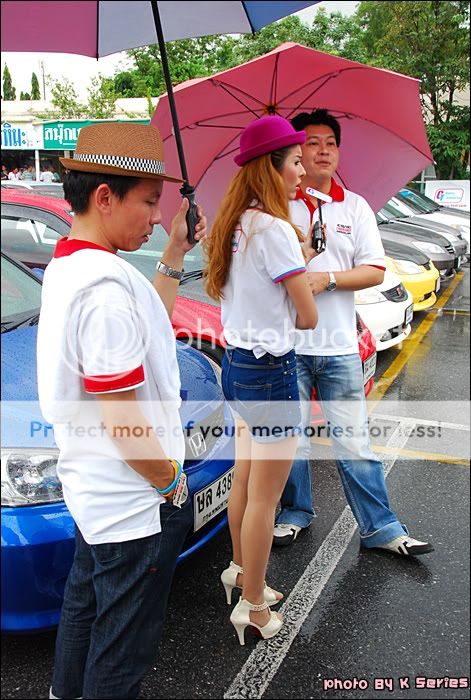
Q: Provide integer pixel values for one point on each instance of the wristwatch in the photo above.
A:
(170, 271)
(332, 283)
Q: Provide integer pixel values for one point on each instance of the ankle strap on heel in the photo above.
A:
(255, 608)
(236, 567)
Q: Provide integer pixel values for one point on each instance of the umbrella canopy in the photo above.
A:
(101, 27)
(384, 143)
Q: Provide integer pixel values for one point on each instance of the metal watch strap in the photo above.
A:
(332, 282)
(170, 271)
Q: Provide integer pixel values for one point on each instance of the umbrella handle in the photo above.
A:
(192, 217)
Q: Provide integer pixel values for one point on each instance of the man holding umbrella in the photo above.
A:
(328, 358)
(109, 383)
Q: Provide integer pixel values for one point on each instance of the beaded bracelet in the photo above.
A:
(178, 470)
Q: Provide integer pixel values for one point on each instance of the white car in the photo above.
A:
(459, 224)
(456, 218)
(387, 310)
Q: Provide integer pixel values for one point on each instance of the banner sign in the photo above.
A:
(21, 136)
(449, 193)
(63, 135)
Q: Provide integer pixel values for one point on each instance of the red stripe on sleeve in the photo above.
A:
(103, 383)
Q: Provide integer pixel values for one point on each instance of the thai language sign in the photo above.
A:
(21, 136)
(63, 135)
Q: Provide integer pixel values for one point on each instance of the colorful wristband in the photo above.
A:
(178, 470)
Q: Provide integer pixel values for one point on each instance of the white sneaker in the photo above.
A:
(285, 533)
(406, 546)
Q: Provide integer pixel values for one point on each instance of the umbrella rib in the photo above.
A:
(274, 82)
(230, 88)
(236, 98)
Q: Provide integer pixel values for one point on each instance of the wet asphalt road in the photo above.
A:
(355, 616)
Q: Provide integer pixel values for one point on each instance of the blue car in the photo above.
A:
(37, 529)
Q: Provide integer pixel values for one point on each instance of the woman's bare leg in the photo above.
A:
(268, 473)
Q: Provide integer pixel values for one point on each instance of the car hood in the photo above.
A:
(19, 394)
(419, 233)
(404, 251)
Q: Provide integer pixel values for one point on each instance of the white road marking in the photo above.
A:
(419, 421)
(265, 660)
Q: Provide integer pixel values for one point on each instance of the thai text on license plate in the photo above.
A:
(212, 500)
(409, 314)
(369, 368)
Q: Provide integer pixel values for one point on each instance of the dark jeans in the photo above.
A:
(114, 609)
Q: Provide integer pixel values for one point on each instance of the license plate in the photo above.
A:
(369, 368)
(212, 500)
(409, 314)
(437, 284)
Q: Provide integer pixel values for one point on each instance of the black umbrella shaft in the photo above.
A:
(168, 83)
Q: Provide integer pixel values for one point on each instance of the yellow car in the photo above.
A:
(422, 281)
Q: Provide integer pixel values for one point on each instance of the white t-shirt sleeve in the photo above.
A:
(281, 251)
(111, 339)
(368, 245)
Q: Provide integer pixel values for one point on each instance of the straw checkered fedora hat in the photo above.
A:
(120, 148)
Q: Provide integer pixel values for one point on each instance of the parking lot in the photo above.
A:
(359, 624)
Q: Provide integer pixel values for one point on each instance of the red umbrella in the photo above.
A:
(384, 143)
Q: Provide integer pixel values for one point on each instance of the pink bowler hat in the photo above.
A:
(265, 135)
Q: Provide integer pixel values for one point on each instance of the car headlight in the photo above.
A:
(407, 267)
(461, 228)
(368, 296)
(428, 247)
(29, 477)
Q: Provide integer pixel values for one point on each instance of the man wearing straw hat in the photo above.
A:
(109, 383)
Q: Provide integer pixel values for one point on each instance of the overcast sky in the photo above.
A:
(80, 69)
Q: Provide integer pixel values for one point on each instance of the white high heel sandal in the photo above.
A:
(229, 581)
(240, 618)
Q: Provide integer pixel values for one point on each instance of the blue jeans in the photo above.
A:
(263, 391)
(114, 608)
(338, 381)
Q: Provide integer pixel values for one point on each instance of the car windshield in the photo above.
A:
(423, 203)
(21, 296)
(146, 258)
(392, 211)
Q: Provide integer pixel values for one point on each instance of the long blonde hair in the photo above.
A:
(257, 180)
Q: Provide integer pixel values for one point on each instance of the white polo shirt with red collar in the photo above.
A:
(352, 239)
(102, 329)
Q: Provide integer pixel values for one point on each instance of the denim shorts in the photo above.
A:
(263, 392)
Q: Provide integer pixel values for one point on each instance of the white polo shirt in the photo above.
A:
(256, 311)
(352, 239)
(102, 329)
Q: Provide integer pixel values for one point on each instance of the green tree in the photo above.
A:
(65, 100)
(9, 92)
(428, 40)
(25, 96)
(101, 98)
(35, 91)
(188, 58)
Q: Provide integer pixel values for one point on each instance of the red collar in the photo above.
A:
(67, 247)
(336, 192)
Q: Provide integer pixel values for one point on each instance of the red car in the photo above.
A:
(32, 223)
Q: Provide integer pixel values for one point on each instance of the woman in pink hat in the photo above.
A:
(257, 269)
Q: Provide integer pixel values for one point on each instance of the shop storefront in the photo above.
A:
(43, 143)
(21, 145)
